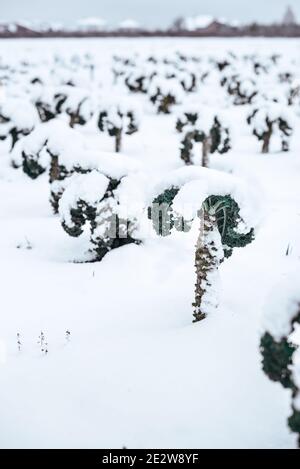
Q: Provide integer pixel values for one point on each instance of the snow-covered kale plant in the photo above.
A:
(240, 87)
(270, 119)
(122, 66)
(280, 355)
(226, 208)
(202, 127)
(119, 119)
(71, 100)
(49, 102)
(138, 79)
(164, 93)
(70, 161)
(34, 152)
(77, 104)
(188, 80)
(55, 148)
(99, 202)
(294, 92)
(18, 117)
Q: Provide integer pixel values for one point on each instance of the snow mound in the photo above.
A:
(282, 306)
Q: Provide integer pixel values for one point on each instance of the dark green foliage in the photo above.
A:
(45, 112)
(216, 140)
(235, 89)
(83, 213)
(216, 134)
(59, 172)
(266, 133)
(164, 102)
(294, 423)
(241, 97)
(16, 135)
(103, 246)
(80, 215)
(76, 116)
(128, 125)
(105, 124)
(132, 126)
(286, 132)
(49, 111)
(162, 215)
(31, 166)
(277, 358)
(228, 217)
(189, 118)
(136, 84)
(222, 64)
(217, 214)
(14, 132)
(225, 208)
(192, 86)
(187, 145)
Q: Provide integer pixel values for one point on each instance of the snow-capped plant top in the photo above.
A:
(97, 201)
(193, 185)
(164, 93)
(20, 112)
(118, 118)
(240, 85)
(89, 187)
(281, 308)
(280, 357)
(50, 138)
(191, 192)
(205, 126)
(268, 119)
(17, 117)
(118, 114)
(138, 80)
(77, 103)
(199, 116)
(282, 315)
(72, 100)
(71, 149)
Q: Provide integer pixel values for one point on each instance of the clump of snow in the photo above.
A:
(198, 183)
(20, 112)
(89, 187)
(166, 87)
(282, 306)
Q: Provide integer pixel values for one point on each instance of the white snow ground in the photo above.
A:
(136, 371)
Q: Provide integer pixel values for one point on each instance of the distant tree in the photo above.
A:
(178, 24)
(289, 17)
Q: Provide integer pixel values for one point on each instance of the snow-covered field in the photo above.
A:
(134, 370)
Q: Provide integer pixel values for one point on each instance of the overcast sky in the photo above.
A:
(146, 12)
